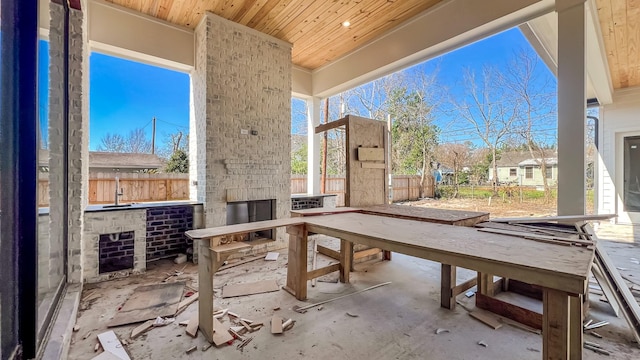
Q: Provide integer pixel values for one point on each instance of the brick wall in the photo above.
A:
(242, 81)
(165, 231)
(116, 251)
(98, 223)
(78, 139)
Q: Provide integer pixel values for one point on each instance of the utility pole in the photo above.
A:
(153, 136)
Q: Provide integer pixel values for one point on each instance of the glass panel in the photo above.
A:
(51, 173)
(632, 173)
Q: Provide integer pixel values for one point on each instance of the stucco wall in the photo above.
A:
(617, 121)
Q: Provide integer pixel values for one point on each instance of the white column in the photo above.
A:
(571, 106)
(313, 148)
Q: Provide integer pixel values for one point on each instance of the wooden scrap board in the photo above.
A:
(221, 333)
(149, 302)
(250, 288)
(110, 343)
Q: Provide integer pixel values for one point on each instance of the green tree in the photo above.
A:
(414, 135)
(299, 160)
(178, 162)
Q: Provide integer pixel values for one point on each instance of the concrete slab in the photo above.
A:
(397, 321)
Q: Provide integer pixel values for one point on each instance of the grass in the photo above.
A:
(484, 192)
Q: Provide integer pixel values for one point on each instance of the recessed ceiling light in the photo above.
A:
(346, 23)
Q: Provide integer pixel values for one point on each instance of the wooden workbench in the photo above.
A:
(561, 271)
(449, 287)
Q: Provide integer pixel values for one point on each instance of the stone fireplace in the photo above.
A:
(240, 148)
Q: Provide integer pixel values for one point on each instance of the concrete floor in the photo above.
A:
(397, 321)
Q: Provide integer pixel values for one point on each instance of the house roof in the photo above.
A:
(521, 158)
(113, 160)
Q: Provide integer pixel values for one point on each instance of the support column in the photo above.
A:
(313, 146)
(571, 106)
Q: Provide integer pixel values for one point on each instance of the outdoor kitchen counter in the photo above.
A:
(139, 206)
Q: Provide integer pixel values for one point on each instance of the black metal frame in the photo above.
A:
(18, 176)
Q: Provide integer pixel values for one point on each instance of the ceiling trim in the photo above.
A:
(427, 35)
(542, 34)
(122, 32)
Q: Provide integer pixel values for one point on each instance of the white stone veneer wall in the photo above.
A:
(242, 81)
(111, 222)
(78, 133)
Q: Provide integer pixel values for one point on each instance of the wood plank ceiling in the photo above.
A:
(314, 27)
(620, 24)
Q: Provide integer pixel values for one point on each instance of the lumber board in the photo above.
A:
(331, 125)
(371, 154)
(328, 252)
(188, 301)
(105, 355)
(230, 247)
(221, 333)
(486, 318)
(561, 218)
(555, 325)
(528, 290)
(322, 211)
(112, 344)
(364, 253)
(510, 311)
(252, 288)
(607, 288)
(204, 234)
(148, 302)
(276, 324)
(192, 327)
(417, 213)
(531, 236)
(140, 329)
(562, 267)
(323, 271)
(460, 288)
(447, 286)
(626, 300)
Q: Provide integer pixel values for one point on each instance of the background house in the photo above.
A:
(111, 161)
(517, 167)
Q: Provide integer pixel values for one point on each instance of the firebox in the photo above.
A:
(241, 212)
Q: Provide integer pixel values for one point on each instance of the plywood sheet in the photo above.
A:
(365, 186)
(250, 288)
(148, 302)
(441, 216)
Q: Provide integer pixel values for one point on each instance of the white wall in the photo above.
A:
(617, 121)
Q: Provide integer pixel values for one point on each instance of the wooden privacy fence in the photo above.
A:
(136, 187)
(404, 187)
(141, 187)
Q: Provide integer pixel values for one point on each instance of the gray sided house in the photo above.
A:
(519, 168)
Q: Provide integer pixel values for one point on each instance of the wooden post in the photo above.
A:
(297, 262)
(555, 325)
(576, 317)
(346, 257)
(485, 284)
(447, 283)
(205, 289)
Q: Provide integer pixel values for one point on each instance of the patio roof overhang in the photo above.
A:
(424, 34)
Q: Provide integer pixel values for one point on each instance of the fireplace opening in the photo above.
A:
(242, 212)
(116, 252)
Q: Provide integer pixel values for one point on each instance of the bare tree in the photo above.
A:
(491, 113)
(537, 109)
(454, 156)
(135, 142)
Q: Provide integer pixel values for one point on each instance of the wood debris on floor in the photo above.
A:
(149, 302)
(253, 288)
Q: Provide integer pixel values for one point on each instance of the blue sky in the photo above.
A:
(125, 95)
